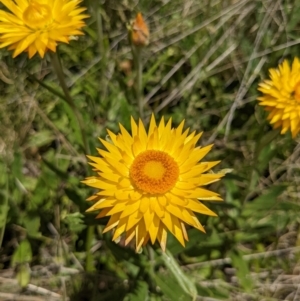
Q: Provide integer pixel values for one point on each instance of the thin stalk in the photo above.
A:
(5, 206)
(102, 49)
(139, 83)
(137, 58)
(151, 255)
(262, 143)
(89, 267)
(60, 75)
(100, 31)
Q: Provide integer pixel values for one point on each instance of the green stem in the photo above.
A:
(102, 48)
(89, 267)
(5, 206)
(100, 31)
(151, 255)
(60, 75)
(137, 58)
(264, 140)
(139, 81)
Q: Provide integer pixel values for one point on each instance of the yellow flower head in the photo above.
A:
(282, 97)
(151, 183)
(37, 25)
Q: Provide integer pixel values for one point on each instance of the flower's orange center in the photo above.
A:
(37, 14)
(297, 91)
(154, 172)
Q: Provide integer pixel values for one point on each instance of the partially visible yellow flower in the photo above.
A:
(282, 97)
(37, 25)
(152, 183)
(139, 31)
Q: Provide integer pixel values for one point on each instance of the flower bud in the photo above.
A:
(139, 31)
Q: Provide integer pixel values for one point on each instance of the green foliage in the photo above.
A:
(184, 282)
(140, 293)
(201, 62)
(170, 289)
(21, 257)
(242, 271)
(22, 254)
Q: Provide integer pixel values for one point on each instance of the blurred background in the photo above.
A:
(203, 64)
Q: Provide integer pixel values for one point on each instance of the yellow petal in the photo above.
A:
(112, 223)
(134, 128)
(178, 230)
(201, 193)
(133, 219)
(140, 233)
(196, 206)
(152, 125)
(148, 218)
(144, 204)
(103, 213)
(154, 227)
(112, 149)
(119, 167)
(130, 234)
(162, 238)
(130, 209)
(184, 232)
(142, 134)
(120, 228)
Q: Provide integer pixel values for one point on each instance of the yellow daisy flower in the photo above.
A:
(37, 25)
(282, 97)
(152, 182)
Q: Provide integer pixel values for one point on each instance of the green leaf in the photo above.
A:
(220, 292)
(121, 253)
(41, 138)
(75, 222)
(242, 271)
(293, 19)
(23, 275)
(170, 288)
(140, 292)
(266, 201)
(264, 148)
(32, 224)
(289, 206)
(40, 192)
(22, 254)
(73, 122)
(3, 208)
(147, 76)
(16, 167)
(76, 199)
(184, 281)
(61, 174)
(46, 86)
